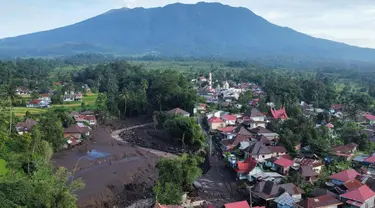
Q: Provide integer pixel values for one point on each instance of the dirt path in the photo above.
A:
(116, 135)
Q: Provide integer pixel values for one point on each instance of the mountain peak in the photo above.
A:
(201, 29)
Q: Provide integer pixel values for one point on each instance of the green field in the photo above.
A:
(89, 101)
(3, 168)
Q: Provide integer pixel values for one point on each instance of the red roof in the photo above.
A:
(229, 117)
(369, 117)
(35, 102)
(345, 175)
(240, 204)
(227, 129)
(336, 107)
(245, 166)
(353, 184)
(361, 194)
(278, 149)
(279, 114)
(329, 125)
(284, 162)
(215, 119)
(370, 159)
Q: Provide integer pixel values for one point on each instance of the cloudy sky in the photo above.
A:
(349, 21)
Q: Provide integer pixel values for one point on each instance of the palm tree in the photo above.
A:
(125, 95)
(9, 93)
(158, 99)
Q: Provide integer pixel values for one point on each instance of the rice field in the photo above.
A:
(89, 101)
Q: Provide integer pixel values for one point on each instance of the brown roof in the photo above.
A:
(27, 124)
(345, 148)
(176, 111)
(256, 113)
(267, 190)
(257, 148)
(307, 171)
(261, 130)
(321, 201)
(352, 184)
(278, 149)
(235, 141)
(243, 131)
(77, 129)
(291, 188)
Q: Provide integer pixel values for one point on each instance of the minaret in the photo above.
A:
(210, 81)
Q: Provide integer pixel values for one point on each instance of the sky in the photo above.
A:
(348, 21)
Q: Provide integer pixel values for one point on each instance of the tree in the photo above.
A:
(125, 96)
(171, 183)
(53, 131)
(245, 97)
(9, 93)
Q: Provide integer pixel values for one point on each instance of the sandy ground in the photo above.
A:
(126, 174)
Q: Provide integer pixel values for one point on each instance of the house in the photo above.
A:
(306, 108)
(73, 140)
(370, 119)
(244, 168)
(254, 118)
(346, 151)
(202, 107)
(22, 90)
(240, 130)
(45, 97)
(230, 144)
(308, 173)
(215, 123)
(282, 165)
(348, 186)
(240, 204)
(77, 129)
(279, 114)
(266, 191)
(68, 98)
(293, 191)
(178, 111)
(369, 160)
(37, 104)
(325, 201)
(261, 152)
(78, 96)
(285, 200)
(272, 136)
(336, 108)
(227, 132)
(90, 119)
(343, 176)
(229, 119)
(311, 160)
(362, 197)
(26, 126)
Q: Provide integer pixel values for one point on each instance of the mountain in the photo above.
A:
(202, 29)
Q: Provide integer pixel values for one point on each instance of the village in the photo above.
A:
(255, 156)
(251, 152)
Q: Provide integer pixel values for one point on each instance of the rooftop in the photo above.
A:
(240, 204)
(176, 111)
(321, 201)
(360, 195)
(345, 175)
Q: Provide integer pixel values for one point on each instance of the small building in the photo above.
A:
(308, 173)
(266, 191)
(68, 98)
(346, 151)
(261, 152)
(202, 107)
(343, 176)
(22, 90)
(230, 144)
(265, 132)
(229, 119)
(282, 165)
(293, 191)
(78, 96)
(90, 119)
(285, 200)
(45, 97)
(240, 204)
(77, 129)
(215, 123)
(244, 168)
(335, 108)
(279, 114)
(362, 197)
(325, 201)
(178, 111)
(227, 132)
(26, 126)
(37, 104)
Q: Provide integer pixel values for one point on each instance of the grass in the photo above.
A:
(3, 168)
(89, 101)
